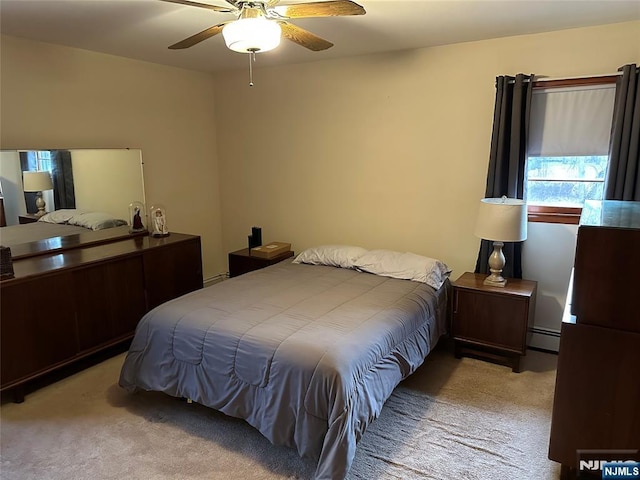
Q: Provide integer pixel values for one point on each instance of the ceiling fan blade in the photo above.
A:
(331, 8)
(304, 37)
(230, 9)
(198, 37)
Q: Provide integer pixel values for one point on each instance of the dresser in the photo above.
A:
(597, 394)
(65, 306)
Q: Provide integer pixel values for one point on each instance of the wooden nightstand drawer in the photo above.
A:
(27, 218)
(490, 319)
(492, 322)
(241, 261)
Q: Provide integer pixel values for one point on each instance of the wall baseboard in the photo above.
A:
(545, 339)
(215, 279)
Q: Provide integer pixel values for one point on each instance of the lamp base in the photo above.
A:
(40, 204)
(496, 264)
(495, 280)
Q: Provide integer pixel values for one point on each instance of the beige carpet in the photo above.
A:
(453, 419)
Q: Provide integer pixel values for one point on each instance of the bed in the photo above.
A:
(306, 352)
(57, 225)
(34, 232)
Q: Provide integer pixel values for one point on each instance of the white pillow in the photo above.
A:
(342, 256)
(95, 220)
(406, 266)
(59, 216)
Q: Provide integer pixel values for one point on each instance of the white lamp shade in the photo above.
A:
(502, 220)
(37, 181)
(252, 35)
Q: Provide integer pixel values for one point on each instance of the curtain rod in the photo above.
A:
(575, 81)
(541, 79)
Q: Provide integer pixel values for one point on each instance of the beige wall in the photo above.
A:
(59, 97)
(383, 151)
(98, 173)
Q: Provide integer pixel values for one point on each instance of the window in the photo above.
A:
(568, 147)
(44, 160)
(566, 181)
(557, 187)
(39, 160)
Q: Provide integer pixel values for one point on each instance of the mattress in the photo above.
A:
(36, 231)
(307, 354)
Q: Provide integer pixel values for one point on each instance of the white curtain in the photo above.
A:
(572, 121)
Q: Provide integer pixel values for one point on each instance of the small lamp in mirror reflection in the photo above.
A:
(137, 218)
(37, 182)
(500, 220)
(158, 219)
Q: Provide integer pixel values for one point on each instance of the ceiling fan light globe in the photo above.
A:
(252, 35)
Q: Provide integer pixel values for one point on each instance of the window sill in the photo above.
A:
(564, 215)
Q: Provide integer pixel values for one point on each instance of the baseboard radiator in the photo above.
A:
(215, 279)
(545, 339)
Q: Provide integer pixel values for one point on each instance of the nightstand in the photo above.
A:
(28, 218)
(492, 322)
(241, 261)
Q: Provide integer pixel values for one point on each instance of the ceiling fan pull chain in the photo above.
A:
(252, 58)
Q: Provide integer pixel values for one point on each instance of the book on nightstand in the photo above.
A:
(270, 250)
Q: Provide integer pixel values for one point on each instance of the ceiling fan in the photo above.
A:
(260, 24)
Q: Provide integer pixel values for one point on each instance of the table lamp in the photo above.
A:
(37, 182)
(500, 220)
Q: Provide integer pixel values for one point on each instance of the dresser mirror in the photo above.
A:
(104, 180)
(93, 180)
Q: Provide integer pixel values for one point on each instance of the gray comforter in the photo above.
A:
(33, 232)
(306, 354)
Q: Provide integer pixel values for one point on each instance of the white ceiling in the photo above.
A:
(143, 29)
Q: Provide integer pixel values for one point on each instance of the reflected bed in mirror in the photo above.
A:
(88, 185)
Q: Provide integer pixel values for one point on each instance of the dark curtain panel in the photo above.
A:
(28, 163)
(623, 176)
(62, 175)
(507, 160)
